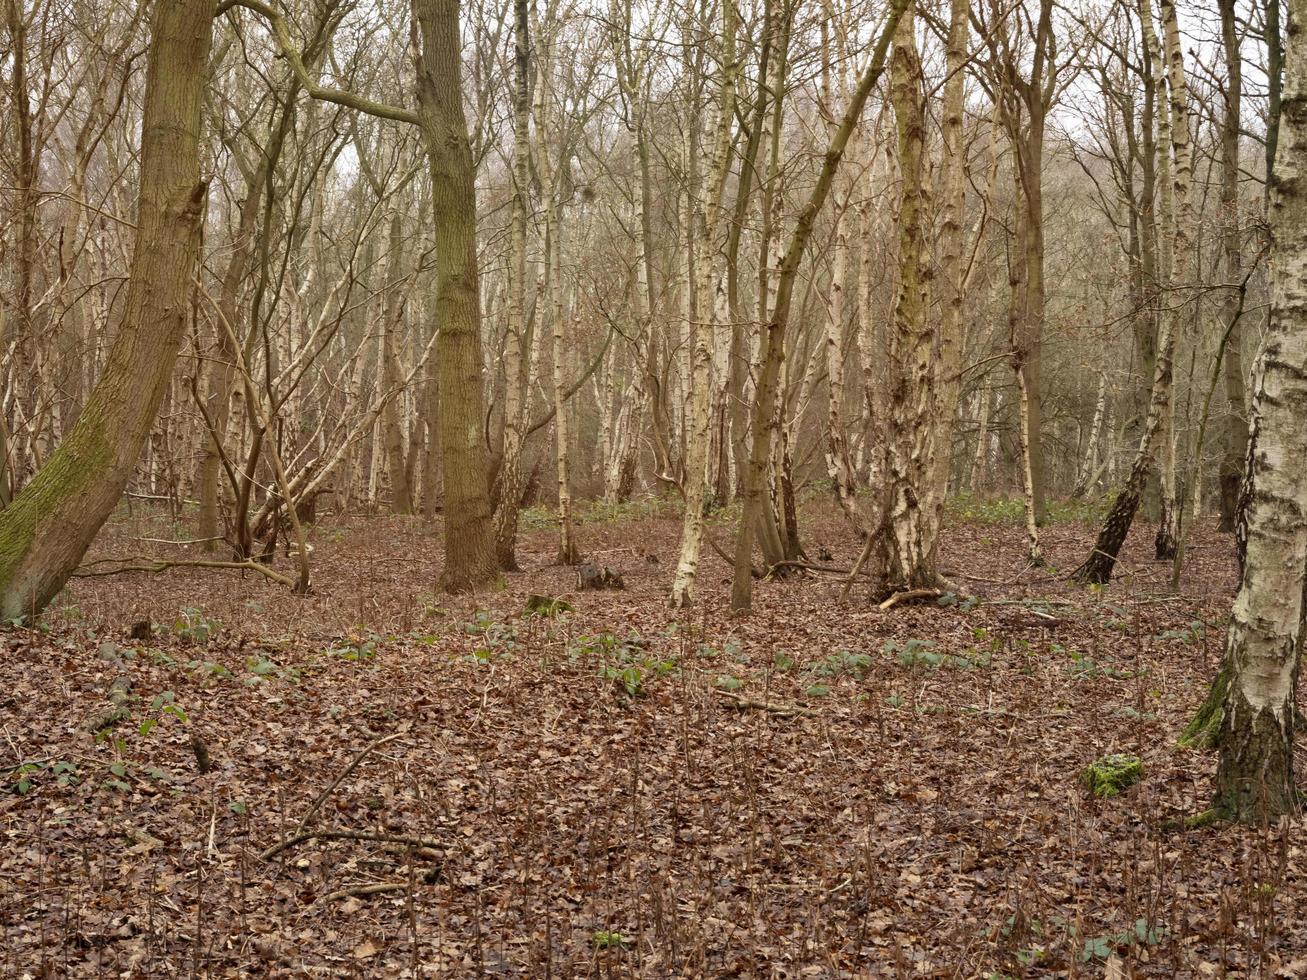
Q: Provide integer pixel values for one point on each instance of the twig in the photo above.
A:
(787, 710)
(27, 762)
(183, 544)
(857, 566)
(322, 797)
(297, 839)
(353, 890)
(808, 566)
(1002, 713)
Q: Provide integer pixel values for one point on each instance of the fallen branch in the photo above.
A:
(322, 797)
(908, 595)
(786, 710)
(156, 565)
(364, 835)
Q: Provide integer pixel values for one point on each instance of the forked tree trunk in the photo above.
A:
(1254, 779)
(773, 337)
(217, 401)
(46, 530)
(469, 539)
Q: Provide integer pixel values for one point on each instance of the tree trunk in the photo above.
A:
(508, 492)
(469, 540)
(392, 315)
(23, 376)
(1097, 567)
(1236, 424)
(912, 550)
(1254, 778)
(1181, 264)
(952, 328)
(46, 530)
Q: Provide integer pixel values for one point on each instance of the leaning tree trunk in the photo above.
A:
(469, 540)
(1097, 568)
(46, 530)
(1254, 779)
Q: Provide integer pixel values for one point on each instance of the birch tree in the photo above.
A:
(709, 220)
(1255, 775)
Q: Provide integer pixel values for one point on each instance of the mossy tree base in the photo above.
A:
(1205, 726)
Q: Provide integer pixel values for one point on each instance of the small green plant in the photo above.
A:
(210, 669)
(603, 939)
(1142, 933)
(1085, 667)
(163, 706)
(625, 663)
(263, 668)
(1189, 634)
(783, 662)
(195, 627)
(922, 654)
(357, 648)
(1132, 713)
(497, 637)
(728, 682)
(27, 775)
(843, 663)
(117, 777)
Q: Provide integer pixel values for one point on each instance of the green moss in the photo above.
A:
(1202, 730)
(1112, 774)
(547, 606)
(85, 457)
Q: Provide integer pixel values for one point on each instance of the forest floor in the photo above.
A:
(589, 795)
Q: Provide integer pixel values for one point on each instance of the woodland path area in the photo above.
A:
(602, 793)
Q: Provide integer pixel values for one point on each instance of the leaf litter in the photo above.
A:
(408, 784)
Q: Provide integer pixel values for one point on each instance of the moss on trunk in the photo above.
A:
(1203, 728)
